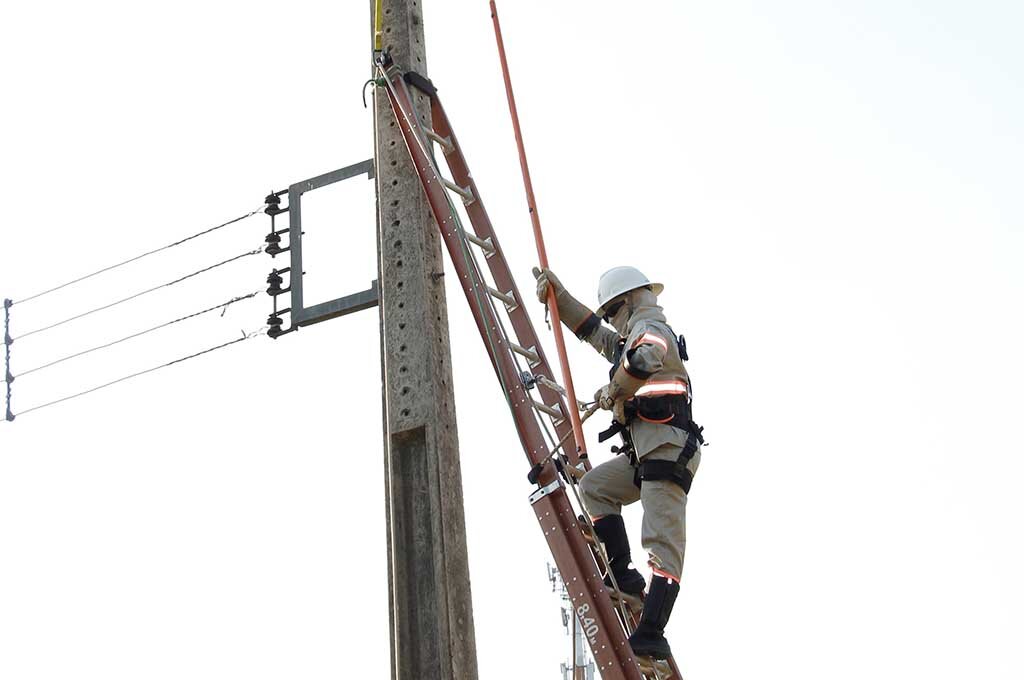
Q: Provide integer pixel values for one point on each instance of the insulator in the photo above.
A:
(275, 323)
(274, 244)
(273, 202)
(275, 281)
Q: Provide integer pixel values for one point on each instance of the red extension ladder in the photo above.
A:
(537, 403)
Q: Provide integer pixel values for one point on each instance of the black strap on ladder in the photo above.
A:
(605, 622)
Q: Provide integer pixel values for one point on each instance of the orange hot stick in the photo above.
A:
(577, 425)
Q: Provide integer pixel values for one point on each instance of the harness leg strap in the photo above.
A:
(670, 470)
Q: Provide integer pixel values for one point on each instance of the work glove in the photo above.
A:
(545, 277)
(605, 399)
(572, 312)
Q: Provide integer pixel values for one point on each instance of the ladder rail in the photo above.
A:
(498, 266)
(502, 274)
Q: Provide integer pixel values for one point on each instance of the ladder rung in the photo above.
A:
(465, 192)
(507, 298)
(654, 669)
(632, 601)
(485, 243)
(552, 411)
(445, 142)
(530, 354)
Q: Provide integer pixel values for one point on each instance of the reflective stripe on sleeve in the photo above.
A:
(651, 338)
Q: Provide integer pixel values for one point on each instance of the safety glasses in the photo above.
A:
(612, 310)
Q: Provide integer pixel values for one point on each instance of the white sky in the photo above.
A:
(829, 192)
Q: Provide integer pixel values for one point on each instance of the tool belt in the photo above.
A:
(656, 470)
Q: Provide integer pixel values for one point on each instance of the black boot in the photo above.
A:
(649, 637)
(612, 532)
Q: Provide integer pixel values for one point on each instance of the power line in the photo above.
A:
(223, 305)
(245, 336)
(139, 257)
(257, 251)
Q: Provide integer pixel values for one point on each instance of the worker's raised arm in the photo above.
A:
(576, 316)
(645, 350)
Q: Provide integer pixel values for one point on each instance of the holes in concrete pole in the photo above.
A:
(394, 182)
(394, 203)
(406, 411)
(401, 285)
(401, 305)
(396, 223)
(405, 391)
(401, 326)
(401, 348)
(398, 244)
(398, 263)
(403, 369)
(392, 143)
(394, 163)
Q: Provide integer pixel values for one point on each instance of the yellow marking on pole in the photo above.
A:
(378, 26)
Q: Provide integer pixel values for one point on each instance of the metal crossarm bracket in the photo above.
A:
(300, 314)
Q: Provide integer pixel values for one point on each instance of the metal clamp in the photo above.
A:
(554, 486)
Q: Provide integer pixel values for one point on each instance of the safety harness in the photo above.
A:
(666, 409)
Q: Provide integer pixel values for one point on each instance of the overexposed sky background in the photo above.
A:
(828, 191)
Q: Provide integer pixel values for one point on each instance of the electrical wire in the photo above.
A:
(245, 336)
(139, 257)
(257, 251)
(223, 305)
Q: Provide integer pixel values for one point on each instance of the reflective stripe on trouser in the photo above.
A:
(609, 486)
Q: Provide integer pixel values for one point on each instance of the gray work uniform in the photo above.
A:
(609, 486)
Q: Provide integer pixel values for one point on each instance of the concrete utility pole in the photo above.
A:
(432, 633)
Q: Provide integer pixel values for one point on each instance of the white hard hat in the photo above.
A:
(619, 280)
